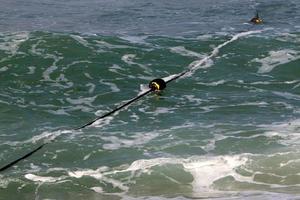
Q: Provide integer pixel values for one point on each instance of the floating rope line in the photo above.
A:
(154, 85)
(22, 158)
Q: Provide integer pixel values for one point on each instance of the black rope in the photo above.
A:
(22, 158)
(115, 110)
(151, 89)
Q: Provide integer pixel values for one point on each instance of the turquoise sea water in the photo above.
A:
(229, 129)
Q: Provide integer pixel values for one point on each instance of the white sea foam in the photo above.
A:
(5, 181)
(207, 61)
(288, 37)
(98, 174)
(129, 59)
(3, 69)
(193, 99)
(134, 117)
(52, 68)
(210, 144)
(118, 70)
(116, 67)
(181, 50)
(31, 69)
(12, 41)
(288, 132)
(276, 58)
(81, 40)
(296, 86)
(205, 37)
(104, 121)
(162, 110)
(77, 62)
(205, 169)
(143, 88)
(49, 71)
(82, 101)
(92, 87)
(47, 136)
(167, 78)
(58, 112)
(215, 83)
(88, 76)
(102, 44)
(135, 39)
(97, 189)
(113, 87)
(288, 95)
(133, 141)
(44, 179)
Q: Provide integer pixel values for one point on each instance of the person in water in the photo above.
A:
(256, 19)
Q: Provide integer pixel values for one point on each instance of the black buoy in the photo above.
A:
(157, 84)
(256, 19)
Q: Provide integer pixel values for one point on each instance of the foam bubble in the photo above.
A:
(135, 140)
(207, 61)
(135, 39)
(128, 59)
(31, 69)
(104, 121)
(296, 86)
(112, 46)
(288, 132)
(3, 69)
(193, 99)
(48, 72)
(204, 37)
(97, 189)
(162, 110)
(205, 170)
(80, 40)
(181, 50)
(49, 136)
(12, 41)
(92, 87)
(98, 174)
(44, 179)
(58, 112)
(113, 87)
(275, 59)
(82, 101)
(215, 83)
(288, 95)
(145, 165)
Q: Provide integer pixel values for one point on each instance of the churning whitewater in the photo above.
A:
(228, 128)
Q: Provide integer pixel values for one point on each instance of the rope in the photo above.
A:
(159, 84)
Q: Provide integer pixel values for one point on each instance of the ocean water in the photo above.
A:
(229, 129)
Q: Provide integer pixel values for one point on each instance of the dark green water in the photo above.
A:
(227, 130)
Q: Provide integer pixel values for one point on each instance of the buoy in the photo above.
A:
(256, 19)
(157, 84)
